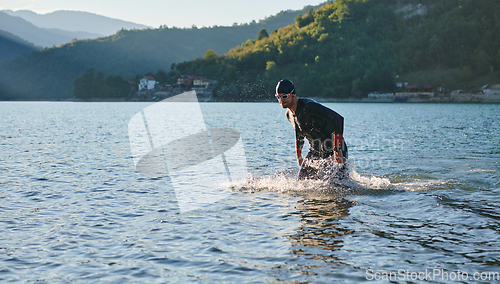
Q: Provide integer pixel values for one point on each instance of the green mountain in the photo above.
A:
(49, 73)
(349, 48)
(12, 46)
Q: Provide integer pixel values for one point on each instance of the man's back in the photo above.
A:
(317, 123)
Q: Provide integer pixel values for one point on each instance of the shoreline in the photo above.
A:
(321, 100)
(462, 99)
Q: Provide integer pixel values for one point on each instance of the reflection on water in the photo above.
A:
(320, 225)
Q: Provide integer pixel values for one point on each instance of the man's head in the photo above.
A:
(285, 93)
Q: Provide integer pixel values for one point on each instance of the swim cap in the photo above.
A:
(285, 86)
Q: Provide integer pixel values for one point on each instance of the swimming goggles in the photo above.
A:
(283, 96)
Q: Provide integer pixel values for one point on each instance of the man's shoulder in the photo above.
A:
(309, 103)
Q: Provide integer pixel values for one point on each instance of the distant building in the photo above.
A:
(412, 91)
(401, 85)
(428, 88)
(411, 88)
(200, 82)
(189, 81)
(147, 83)
(185, 81)
(381, 96)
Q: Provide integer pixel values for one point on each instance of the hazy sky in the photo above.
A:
(179, 13)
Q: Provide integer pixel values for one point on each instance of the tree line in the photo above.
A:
(92, 85)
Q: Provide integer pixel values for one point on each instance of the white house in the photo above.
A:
(147, 83)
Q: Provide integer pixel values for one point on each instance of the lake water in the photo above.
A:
(421, 201)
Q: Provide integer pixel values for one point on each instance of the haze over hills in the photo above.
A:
(12, 46)
(76, 21)
(40, 36)
(55, 29)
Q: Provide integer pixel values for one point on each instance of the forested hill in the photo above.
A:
(352, 47)
(49, 73)
(12, 46)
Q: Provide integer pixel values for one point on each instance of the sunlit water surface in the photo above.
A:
(423, 194)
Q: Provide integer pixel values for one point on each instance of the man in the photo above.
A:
(322, 127)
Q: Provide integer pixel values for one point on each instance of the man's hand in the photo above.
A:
(339, 158)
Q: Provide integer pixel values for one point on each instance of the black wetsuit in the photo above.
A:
(319, 125)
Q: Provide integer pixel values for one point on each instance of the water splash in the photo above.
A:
(369, 181)
(422, 184)
(332, 179)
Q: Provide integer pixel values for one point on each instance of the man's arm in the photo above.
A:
(337, 148)
(299, 140)
(299, 143)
